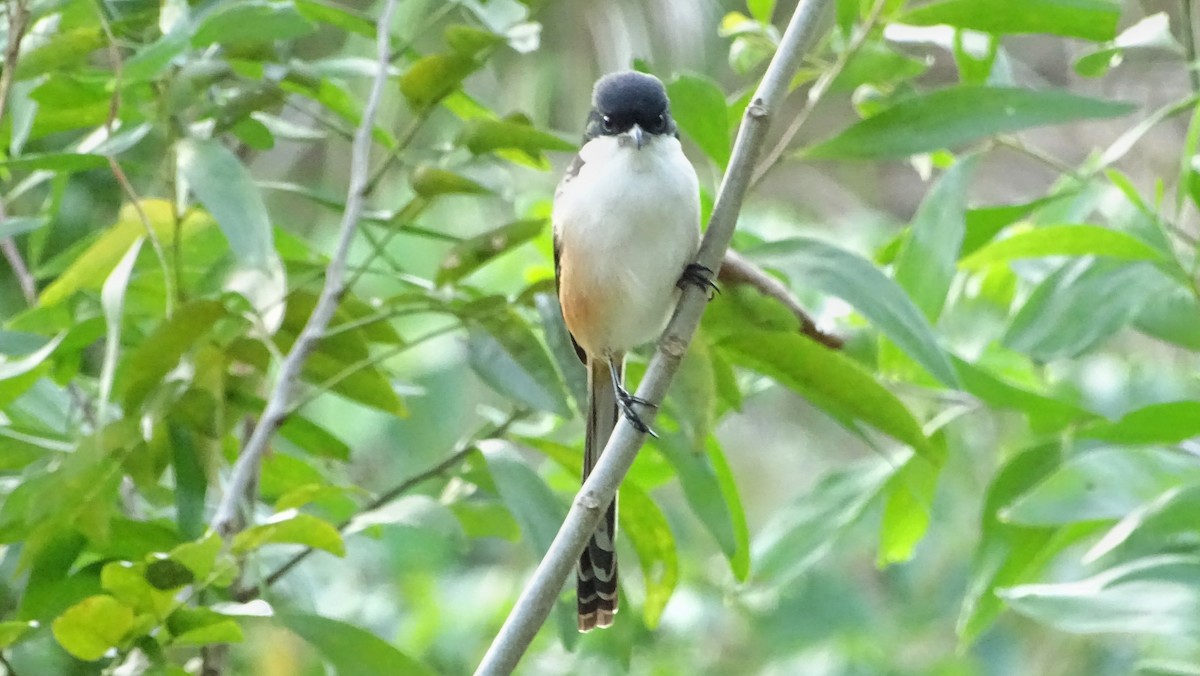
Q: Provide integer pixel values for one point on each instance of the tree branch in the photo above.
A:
(737, 269)
(543, 589)
(246, 467)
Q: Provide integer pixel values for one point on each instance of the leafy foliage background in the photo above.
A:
(993, 201)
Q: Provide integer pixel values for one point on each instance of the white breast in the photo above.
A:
(631, 222)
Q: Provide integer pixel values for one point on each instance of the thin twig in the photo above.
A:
(246, 467)
(18, 23)
(737, 269)
(542, 591)
(818, 91)
(1189, 45)
(460, 453)
(114, 111)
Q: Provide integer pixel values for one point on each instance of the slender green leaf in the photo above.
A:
(956, 116)
(351, 649)
(1158, 596)
(1154, 528)
(855, 280)
(165, 346)
(482, 135)
(1166, 423)
(291, 528)
(227, 190)
(1088, 19)
(11, 368)
(1106, 483)
(828, 379)
(506, 355)
(431, 78)
(647, 528)
(471, 254)
(251, 21)
(1080, 305)
(430, 181)
(112, 299)
(1063, 240)
(528, 498)
(925, 266)
(13, 631)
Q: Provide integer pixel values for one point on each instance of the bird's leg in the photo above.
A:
(625, 402)
(698, 275)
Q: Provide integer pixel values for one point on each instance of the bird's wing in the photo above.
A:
(572, 172)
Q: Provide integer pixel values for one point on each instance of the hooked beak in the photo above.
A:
(637, 136)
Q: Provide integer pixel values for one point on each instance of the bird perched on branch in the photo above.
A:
(626, 229)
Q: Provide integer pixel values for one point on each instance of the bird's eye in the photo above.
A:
(660, 122)
(607, 123)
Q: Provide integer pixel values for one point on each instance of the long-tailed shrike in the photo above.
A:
(626, 228)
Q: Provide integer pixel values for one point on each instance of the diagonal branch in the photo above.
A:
(225, 520)
(543, 589)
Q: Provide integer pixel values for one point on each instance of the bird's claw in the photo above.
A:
(626, 402)
(699, 275)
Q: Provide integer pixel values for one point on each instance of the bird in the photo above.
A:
(626, 220)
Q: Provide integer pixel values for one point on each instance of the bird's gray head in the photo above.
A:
(630, 105)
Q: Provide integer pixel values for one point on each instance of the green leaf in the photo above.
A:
(1006, 554)
(1081, 304)
(191, 480)
(908, 504)
(346, 20)
(701, 489)
(250, 22)
(956, 116)
(13, 630)
(432, 78)
(739, 563)
(1166, 423)
(831, 381)
(430, 181)
(1046, 414)
(127, 583)
(469, 41)
(562, 349)
(1063, 240)
(200, 556)
(482, 135)
(227, 190)
(19, 225)
(761, 10)
(1173, 316)
(1088, 19)
(486, 519)
(855, 280)
(506, 355)
(112, 300)
(92, 627)
(62, 51)
(314, 439)
(1106, 483)
(202, 626)
(291, 528)
(528, 498)
(471, 254)
(63, 163)
(1154, 528)
(801, 534)
(162, 349)
(89, 269)
(1157, 596)
(925, 267)
(647, 528)
(11, 368)
(698, 106)
(351, 649)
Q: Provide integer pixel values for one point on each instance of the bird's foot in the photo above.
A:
(699, 275)
(626, 402)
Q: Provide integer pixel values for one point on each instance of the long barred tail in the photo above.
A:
(597, 574)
